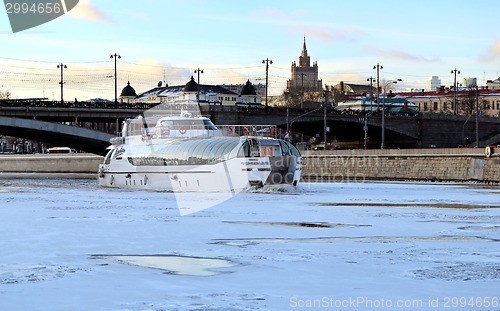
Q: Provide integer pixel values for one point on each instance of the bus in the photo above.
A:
(60, 150)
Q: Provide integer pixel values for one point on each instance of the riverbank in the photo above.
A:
(49, 165)
(458, 165)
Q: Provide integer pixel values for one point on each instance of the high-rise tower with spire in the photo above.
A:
(304, 76)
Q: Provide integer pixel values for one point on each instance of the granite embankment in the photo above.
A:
(405, 164)
(340, 165)
(50, 165)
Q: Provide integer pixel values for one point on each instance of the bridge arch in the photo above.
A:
(57, 134)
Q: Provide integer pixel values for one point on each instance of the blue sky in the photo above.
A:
(167, 40)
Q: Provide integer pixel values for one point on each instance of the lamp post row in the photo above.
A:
(267, 61)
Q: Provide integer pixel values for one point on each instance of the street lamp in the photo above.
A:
(477, 116)
(115, 56)
(326, 102)
(387, 83)
(378, 67)
(455, 107)
(62, 66)
(302, 96)
(369, 113)
(267, 61)
(198, 71)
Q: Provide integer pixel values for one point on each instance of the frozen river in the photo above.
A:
(70, 245)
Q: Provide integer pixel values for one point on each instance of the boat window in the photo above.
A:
(107, 159)
(288, 148)
(209, 125)
(187, 152)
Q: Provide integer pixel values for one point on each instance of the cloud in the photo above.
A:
(86, 10)
(399, 55)
(493, 52)
(324, 31)
(329, 33)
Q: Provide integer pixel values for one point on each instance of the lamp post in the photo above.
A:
(368, 113)
(455, 107)
(477, 117)
(371, 80)
(378, 67)
(287, 135)
(198, 71)
(326, 101)
(116, 56)
(62, 66)
(302, 75)
(267, 61)
(387, 83)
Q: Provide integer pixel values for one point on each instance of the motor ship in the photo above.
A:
(190, 154)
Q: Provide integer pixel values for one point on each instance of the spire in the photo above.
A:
(304, 49)
(304, 59)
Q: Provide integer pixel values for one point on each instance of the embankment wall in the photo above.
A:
(406, 164)
(50, 163)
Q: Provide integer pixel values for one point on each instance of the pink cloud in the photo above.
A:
(493, 52)
(397, 54)
(86, 10)
(324, 32)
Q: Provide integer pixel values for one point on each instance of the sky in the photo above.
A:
(164, 40)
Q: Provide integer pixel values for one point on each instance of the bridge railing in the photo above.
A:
(28, 103)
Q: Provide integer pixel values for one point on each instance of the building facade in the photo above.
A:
(304, 77)
(493, 84)
(208, 95)
(442, 100)
(433, 83)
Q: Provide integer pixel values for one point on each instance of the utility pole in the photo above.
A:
(371, 91)
(378, 67)
(302, 75)
(455, 106)
(267, 61)
(62, 66)
(326, 97)
(198, 71)
(477, 117)
(368, 113)
(116, 56)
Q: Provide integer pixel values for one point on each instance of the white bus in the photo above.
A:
(60, 150)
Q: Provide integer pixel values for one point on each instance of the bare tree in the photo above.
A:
(468, 101)
(311, 98)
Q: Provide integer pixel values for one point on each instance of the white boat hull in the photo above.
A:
(233, 175)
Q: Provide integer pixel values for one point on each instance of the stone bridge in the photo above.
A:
(57, 134)
(347, 129)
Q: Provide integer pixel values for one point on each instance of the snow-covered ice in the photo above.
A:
(70, 245)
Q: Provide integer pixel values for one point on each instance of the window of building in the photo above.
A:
(445, 106)
(498, 105)
(486, 104)
(425, 106)
(435, 106)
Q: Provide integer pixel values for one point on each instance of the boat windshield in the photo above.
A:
(288, 148)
